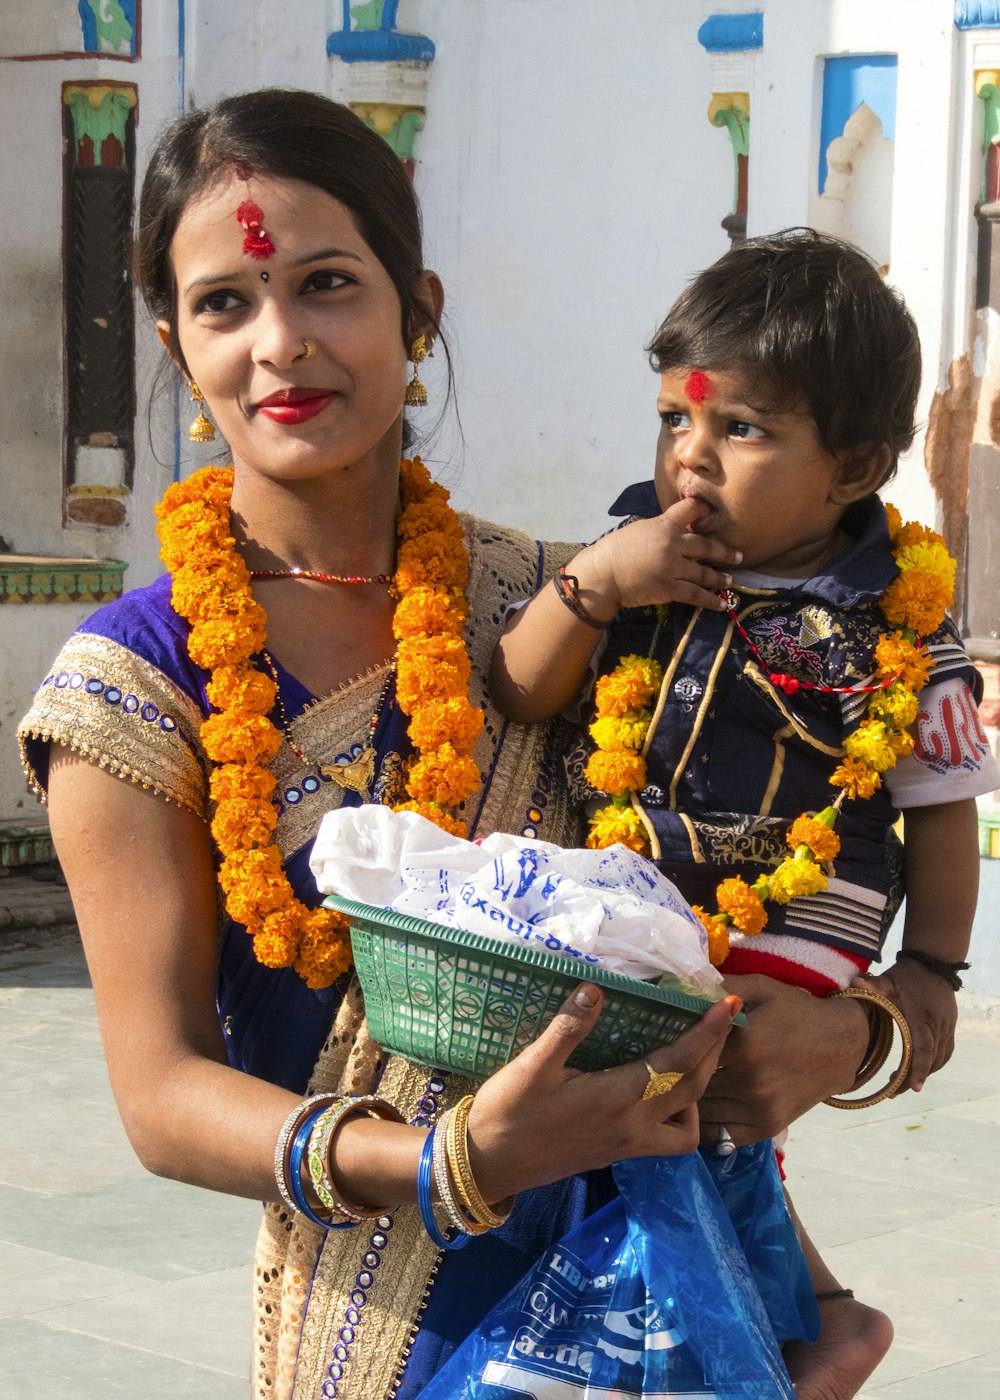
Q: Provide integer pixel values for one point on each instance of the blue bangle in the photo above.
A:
(298, 1151)
(424, 1199)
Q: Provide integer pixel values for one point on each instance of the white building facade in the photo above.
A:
(577, 161)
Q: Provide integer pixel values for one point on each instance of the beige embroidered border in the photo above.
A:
(130, 742)
(304, 1281)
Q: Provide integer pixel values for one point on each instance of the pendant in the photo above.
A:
(356, 775)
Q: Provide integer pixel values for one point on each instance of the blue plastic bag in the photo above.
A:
(653, 1296)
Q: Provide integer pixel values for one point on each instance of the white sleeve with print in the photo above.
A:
(951, 757)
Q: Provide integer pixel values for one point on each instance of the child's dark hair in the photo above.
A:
(814, 318)
(291, 134)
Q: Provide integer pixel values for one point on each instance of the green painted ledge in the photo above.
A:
(25, 845)
(31, 578)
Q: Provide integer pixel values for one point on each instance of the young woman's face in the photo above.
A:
(245, 326)
(768, 485)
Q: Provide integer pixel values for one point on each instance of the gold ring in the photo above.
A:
(660, 1083)
(309, 350)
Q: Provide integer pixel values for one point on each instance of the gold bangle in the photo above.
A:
(457, 1151)
(889, 1013)
(443, 1182)
(321, 1144)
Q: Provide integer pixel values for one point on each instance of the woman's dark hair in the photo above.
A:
(812, 317)
(289, 134)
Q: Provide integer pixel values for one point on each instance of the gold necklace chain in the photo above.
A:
(358, 773)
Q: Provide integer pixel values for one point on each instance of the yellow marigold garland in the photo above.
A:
(211, 590)
(914, 605)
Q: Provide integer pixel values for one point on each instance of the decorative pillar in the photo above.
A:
(987, 86)
(732, 43)
(732, 110)
(100, 327)
(387, 73)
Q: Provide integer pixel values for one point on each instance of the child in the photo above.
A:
(789, 373)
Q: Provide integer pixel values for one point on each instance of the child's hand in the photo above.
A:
(662, 560)
(931, 1011)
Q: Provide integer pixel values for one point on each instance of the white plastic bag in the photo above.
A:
(607, 908)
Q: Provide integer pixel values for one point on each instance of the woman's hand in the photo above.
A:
(797, 1050)
(536, 1121)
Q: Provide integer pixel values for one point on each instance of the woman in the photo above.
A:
(278, 247)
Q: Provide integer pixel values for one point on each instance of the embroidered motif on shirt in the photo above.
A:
(781, 646)
(742, 839)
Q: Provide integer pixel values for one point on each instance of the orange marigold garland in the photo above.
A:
(212, 591)
(914, 605)
(621, 722)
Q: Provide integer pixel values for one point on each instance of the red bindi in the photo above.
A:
(698, 386)
(256, 243)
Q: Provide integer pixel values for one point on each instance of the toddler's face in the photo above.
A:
(768, 486)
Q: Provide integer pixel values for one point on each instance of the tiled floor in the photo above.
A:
(903, 1199)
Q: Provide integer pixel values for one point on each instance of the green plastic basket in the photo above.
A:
(457, 1001)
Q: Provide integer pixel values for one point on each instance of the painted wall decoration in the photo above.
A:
(849, 81)
(977, 14)
(106, 27)
(732, 33)
(99, 315)
(369, 35)
(387, 73)
(732, 43)
(987, 87)
(852, 197)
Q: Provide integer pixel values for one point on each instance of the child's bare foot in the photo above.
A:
(853, 1338)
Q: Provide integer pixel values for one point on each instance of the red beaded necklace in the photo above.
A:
(321, 578)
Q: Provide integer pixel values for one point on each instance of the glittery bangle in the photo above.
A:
(890, 1013)
(299, 1145)
(457, 1145)
(283, 1146)
(321, 1143)
(424, 1202)
(442, 1180)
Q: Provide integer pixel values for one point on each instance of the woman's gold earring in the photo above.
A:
(416, 392)
(202, 429)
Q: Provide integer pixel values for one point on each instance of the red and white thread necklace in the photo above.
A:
(791, 684)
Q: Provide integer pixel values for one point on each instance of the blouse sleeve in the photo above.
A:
(117, 710)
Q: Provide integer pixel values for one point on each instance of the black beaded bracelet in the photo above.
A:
(947, 971)
(568, 588)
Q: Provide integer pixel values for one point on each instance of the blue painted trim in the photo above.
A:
(129, 9)
(380, 46)
(732, 33)
(847, 82)
(88, 23)
(977, 14)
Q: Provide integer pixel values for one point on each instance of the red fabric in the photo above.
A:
(745, 959)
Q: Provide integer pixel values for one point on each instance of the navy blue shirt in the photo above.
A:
(733, 760)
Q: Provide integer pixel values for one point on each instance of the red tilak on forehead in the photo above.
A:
(698, 386)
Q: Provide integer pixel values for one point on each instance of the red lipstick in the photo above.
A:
(293, 406)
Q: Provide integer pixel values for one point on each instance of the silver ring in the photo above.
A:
(724, 1145)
